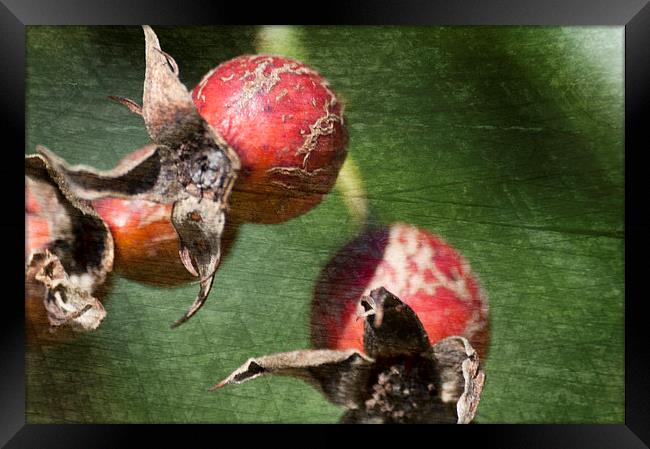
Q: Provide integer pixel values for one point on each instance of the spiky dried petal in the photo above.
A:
(336, 374)
(146, 177)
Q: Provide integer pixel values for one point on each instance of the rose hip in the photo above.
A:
(146, 243)
(287, 127)
(398, 377)
(426, 272)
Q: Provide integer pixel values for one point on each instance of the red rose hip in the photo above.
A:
(424, 271)
(146, 243)
(287, 128)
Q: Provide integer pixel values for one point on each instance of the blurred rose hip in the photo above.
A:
(427, 273)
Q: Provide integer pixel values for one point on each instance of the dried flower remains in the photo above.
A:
(398, 378)
(69, 250)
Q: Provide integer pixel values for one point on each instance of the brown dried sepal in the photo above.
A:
(65, 301)
(456, 357)
(189, 165)
(401, 379)
(78, 255)
(334, 373)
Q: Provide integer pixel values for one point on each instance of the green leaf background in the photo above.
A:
(506, 141)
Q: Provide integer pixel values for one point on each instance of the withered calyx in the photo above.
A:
(77, 256)
(399, 378)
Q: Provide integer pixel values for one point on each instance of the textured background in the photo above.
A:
(508, 142)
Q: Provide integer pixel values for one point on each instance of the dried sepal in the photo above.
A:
(145, 177)
(205, 163)
(391, 327)
(461, 375)
(189, 165)
(77, 255)
(170, 116)
(65, 301)
(167, 107)
(199, 225)
(404, 380)
(335, 373)
(130, 104)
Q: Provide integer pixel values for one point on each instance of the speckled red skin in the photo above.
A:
(411, 263)
(287, 127)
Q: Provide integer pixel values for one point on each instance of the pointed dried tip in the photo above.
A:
(152, 42)
(199, 225)
(150, 35)
(216, 386)
(130, 104)
(201, 258)
(374, 304)
(394, 328)
(169, 113)
(206, 285)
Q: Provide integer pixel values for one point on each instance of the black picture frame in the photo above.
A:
(633, 14)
